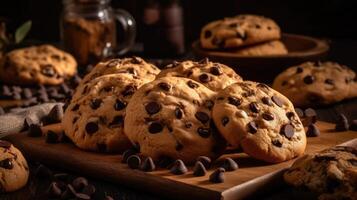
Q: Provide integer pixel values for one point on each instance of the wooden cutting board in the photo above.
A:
(253, 176)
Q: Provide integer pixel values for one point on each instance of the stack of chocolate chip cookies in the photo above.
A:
(246, 35)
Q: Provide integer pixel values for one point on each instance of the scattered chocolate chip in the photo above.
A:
(79, 183)
(129, 90)
(225, 120)
(191, 84)
(311, 114)
(202, 117)
(178, 168)
(277, 100)
(128, 153)
(329, 81)
(134, 161)
(178, 113)
(34, 130)
(119, 105)
(204, 132)
(152, 108)
(52, 137)
(277, 143)
(299, 70)
(164, 86)
(206, 161)
(155, 127)
(55, 115)
(254, 107)
(312, 131)
(215, 70)
(6, 164)
(309, 79)
(287, 130)
(268, 116)
(267, 101)
(91, 127)
(27, 93)
(300, 112)
(252, 127)
(229, 164)
(217, 176)
(207, 34)
(148, 165)
(88, 190)
(95, 103)
(199, 169)
(342, 123)
(354, 125)
(234, 101)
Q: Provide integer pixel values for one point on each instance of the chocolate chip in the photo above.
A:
(202, 117)
(229, 164)
(252, 127)
(120, 105)
(117, 121)
(55, 115)
(299, 70)
(234, 101)
(217, 176)
(329, 81)
(75, 107)
(277, 100)
(204, 132)
(178, 167)
(206, 161)
(27, 93)
(312, 131)
(267, 101)
(134, 161)
(95, 103)
(6, 164)
(129, 90)
(268, 116)
(309, 79)
(215, 70)
(311, 114)
(5, 144)
(254, 107)
(178, 113)
(209, 104)
(48, 70)
(52, 137)
(225, 120)
(152, 108)
(155, 127)
(287, 130)
(207, 34)
(277, 143)
(290, 115)
(204, 78)
(164, 86)
(35, 130)
(191, 84)
(54, 190)
(127, 154)
(199, 169)
(91, 127)
(148, 165)
(88, 190)
(79, 183)
(342, 123)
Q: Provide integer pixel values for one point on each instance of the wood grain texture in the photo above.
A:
(252, 176)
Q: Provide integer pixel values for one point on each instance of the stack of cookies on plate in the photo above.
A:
(245, 35)
(188, 110)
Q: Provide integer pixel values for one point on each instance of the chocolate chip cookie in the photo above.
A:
(260, 120)
(275, 47)
(213, 75)
(317, 83)
(136, 67)
(238, 31)
(94, 119)
(171, 117)
(13, 168)
(43, 64)
(331, 173)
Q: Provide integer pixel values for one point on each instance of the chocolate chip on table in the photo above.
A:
(329, 81)
(225, 120)
(95, 103)
(34, 130)
(267, 101)
(268, 116)
(342, 123)
(312, 131)
(178, 167)
(309, 79)
(52, 137)
(155, 127)
(254, 107)
(152, 108)
(287, 130)
(129, 90)
(234, 101)
(311, 114)
(204, 132)
(204, 78)
(202, 117)
(252, 127)
(215, 70)
(88, 190)
(134, 161)
(299, 70)
(128, 153)
(164, 86)
(299, 112)
(191, 84)
(277, 143)
(206, 161)
(6, 164)
(277, 100)
(148, 165)
(55, 115)
(79, 183)
(217, 176)
(120, 105)
(199, 169)
(5, 144)
(91, 127)
(353, 125)
(178, 113)
(229, 164)
(27, 93)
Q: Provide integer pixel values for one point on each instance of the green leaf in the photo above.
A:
(22, 31)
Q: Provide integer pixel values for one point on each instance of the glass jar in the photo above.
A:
(89, 32)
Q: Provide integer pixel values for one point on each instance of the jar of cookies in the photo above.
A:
(89, 32)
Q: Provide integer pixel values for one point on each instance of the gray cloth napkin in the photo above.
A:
(14, 121)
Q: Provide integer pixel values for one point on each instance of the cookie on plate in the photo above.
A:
(260, 120)
(43, 64)
(136, 67)
(94, 119)
(331, 173)
(213, 75)
(317, 83)
(238, 31)
(13, 168)
(171, 117)
(275, 47)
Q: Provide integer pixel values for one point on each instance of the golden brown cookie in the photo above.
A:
(275, 47)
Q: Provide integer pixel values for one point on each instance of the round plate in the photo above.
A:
(265, 68)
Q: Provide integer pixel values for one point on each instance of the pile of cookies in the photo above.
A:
(246, 35)
(188, 110)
